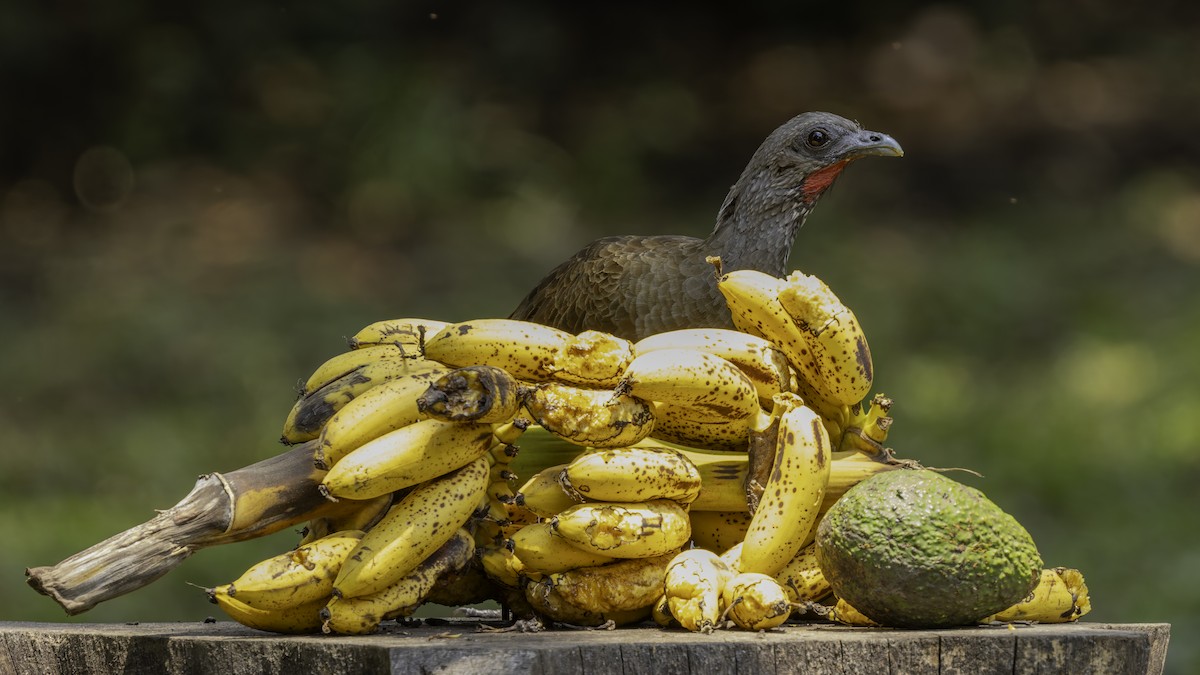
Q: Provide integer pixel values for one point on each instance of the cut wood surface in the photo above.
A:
(455, 646)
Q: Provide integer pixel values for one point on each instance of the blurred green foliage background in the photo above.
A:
(199, 200)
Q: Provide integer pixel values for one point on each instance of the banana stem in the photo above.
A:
(250, 502)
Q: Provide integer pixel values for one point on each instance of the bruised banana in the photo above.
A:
(543, 494)
(756, 357)
(699, 429)
(632, 474)
(693, 584)
(312, 411)
(540, 551)
(412, 530)
(619, 586)
(693, 379)
(591, 359)
(718, 530)
(794, 491)
(834, 337)
(753, 299)
(524, 349)
(547, 601)
(756, 601)
(294, 620)
(407, 456)
(363, 614)
(294, 578)
(598, 418)
(408, 334)
(625, 530)
(473, 394)
(802, 578)
(1060, 596)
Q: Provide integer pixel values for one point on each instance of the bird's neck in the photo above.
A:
(758, 223)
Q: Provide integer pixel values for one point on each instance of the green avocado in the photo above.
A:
(914, 549)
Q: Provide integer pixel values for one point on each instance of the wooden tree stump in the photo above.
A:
(455, 646)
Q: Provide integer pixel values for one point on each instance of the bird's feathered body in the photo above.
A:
(634, 286)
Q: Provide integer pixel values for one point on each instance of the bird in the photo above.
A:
(633, 286)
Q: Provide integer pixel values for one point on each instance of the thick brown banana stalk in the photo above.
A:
(222, 508)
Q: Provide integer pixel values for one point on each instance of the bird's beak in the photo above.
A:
(872, 143)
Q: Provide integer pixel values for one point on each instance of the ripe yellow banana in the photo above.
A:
(294, 578)
(722, 476)
(794, 491)
(625, 530)
(524, 349)
(632, 474)
(756, 357)
(508, 433)
(386, 407)
(599, 418)
(834, 338)
(591, 359)
(801, 577)
(473, 394)
(295, 620)
(499, 566)
(718, 530)
(543, 494)
(418, 452)
(541, 552)
(1060, 596)
(313, 410)
(756, 601)
(693, 584)
(692, 379)
(835, 416)
(344, 363)
(408, 334)
(698, 429)
(363, 614)
(843, 613)
(619, 586)
(354, 515)
(413, 529)
(660, 612)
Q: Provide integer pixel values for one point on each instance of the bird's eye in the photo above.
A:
(817, 138)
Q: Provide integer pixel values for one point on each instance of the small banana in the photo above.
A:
(398, 459)
(660, 612)
(413, 529)
(1060, 596)
(756, 357)
(718, 530)
(294, 578)
(375, 412)
(591, 359)
(509, 432)
(599, 418)
(363, 614)
(834, 337)
(355, 515)
(693, 584)
(843, 613)
(697, 429)
(792, 498)
(408, 334)
(473, 394)
(543, 494)
(541, 552)
(346, 362)
(801, 577)
(692, 379)
(625, 530)
(867, 429)
(524, 349)
(499, 565)
(619, 586)
(314, 410)
(632, 474)
(756, 601)
(295, 620)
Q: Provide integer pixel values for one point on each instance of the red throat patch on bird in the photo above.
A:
(820, 180)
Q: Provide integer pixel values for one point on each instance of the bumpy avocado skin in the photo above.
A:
(914, 549)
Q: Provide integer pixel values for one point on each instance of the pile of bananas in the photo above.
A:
(679, 478)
